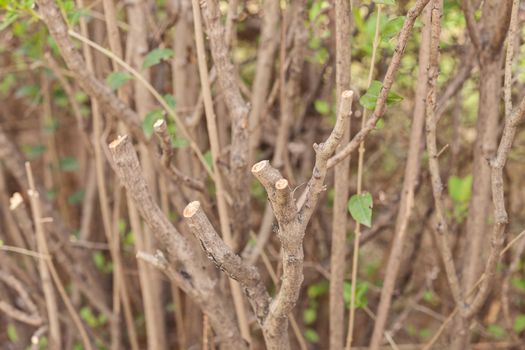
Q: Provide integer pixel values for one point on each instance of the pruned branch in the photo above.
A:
(192, 273)
(226, 260)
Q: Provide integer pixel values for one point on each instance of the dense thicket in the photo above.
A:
(184, 174)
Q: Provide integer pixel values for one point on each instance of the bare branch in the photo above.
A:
(323, 152)
(472, 27)
(192, 272)
(226, 260)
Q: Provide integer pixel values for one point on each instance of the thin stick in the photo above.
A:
(47, 285)
(355, 260)
(343, 28)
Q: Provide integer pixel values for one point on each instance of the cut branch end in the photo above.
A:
(191, 209)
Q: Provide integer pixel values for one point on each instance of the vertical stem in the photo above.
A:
(412, 169)
(355, 260)
(43, 268)
(343, 27)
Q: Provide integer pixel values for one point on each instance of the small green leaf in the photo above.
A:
(116, 79)
(392, 27)
(11, 332)
(360, 294)
(309, 315)
(68, 164)
(519, 324)
(208, 158)
(518, 283)
(496, 331)
(1, 243)
(385, 2)
(380, 124)
(369, 99)
(76, 197)
(360, 207)
(155, 56)
(322, 107)
(51, 125)
(317, 289)
(149, 120)
(311, 336)
(460, 189)
(170, 100)
(32, 152)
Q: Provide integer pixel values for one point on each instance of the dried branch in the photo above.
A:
(43, 268)
(269, 41)
(239, 153)
(441, 228)
(58, 241)
(30, 316)
(226, 260)
(412, 171)
(211, 123)
(191, 271)
(388, 81)
(472, 27)
(343, 58)
(498, 198)
(161, 130)
(323, 152)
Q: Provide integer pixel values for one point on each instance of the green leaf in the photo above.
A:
(460, 189)
(496, 331)
(369, 99)
(360, 294)
(1, 243)
(68, 164)
(311, 336)
(116, 79)
(155, 56)
(317, 289)
(519, 324)
(360, 207)
(309, 315)
(322, 107)
(392, 27)
(32, 152)
(170, 100)
(385, 2)
(11, 332)
(149, 120)
(208, 158)
(76, 197)
(518, 283)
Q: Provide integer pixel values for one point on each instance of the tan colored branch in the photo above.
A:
(441, 228)
(323, 152)
(238, 109)
(161, 130)
(226, 260)
(191, 271)
(412, 171)
(498, 198)
(30, 316)
(472, 27)
(47, 284)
